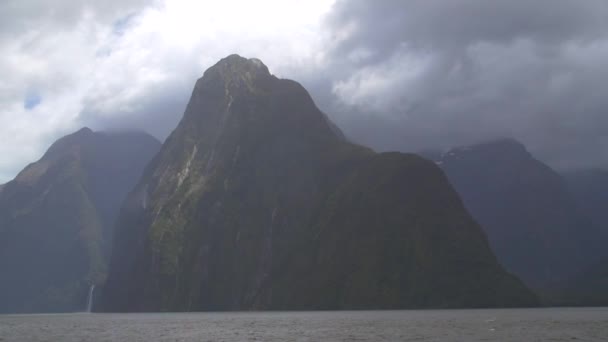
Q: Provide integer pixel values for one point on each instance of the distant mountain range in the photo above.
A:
(257, 201)
(56, 219)
(545, 228)
(590, 189)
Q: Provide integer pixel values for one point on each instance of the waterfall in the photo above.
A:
(90, 299)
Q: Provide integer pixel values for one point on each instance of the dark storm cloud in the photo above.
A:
(404, 75)
(433, 74)
(440, 24)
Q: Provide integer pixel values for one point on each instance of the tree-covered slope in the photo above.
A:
(56, 219)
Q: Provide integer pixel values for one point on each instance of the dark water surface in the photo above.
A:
(555, 324)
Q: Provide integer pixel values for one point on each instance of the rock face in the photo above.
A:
(533, 223)
(256, 202)
(56, 219)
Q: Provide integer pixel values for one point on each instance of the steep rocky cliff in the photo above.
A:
(256, 201)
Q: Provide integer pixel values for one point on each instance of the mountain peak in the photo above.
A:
(84, 131)
(498, 148)
(509, 143)
(84, 142)
(69, 143)
(235, 70)
(238, 94)
(236, 62)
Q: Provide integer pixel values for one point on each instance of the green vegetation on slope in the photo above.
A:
(56, 219)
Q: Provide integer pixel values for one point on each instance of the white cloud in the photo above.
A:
(108, 64)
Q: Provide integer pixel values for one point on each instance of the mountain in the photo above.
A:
(533, 223)
(590, 190)
(256, 201)
(56, 219)
(589, 288)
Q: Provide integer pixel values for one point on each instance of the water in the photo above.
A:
(90, 299)
(573, 324)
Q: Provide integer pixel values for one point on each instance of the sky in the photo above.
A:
(407, 75)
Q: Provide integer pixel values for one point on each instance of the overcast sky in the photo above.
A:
(403, 75)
